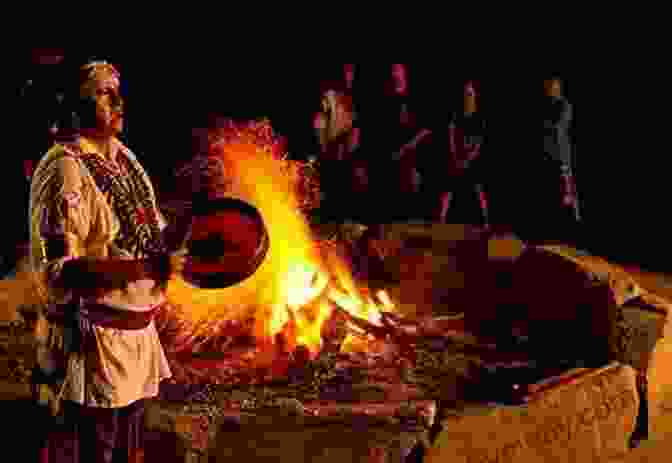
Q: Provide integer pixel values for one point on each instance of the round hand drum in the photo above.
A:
(227, 243)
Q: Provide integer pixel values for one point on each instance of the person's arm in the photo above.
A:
(561, 113)
(419, 137)
(320, 126)
(323, 120)
(88, 275)
(473, 152)
(462, 152)
(412, 145)
(61, 211)
(453, 142)
(174, 232)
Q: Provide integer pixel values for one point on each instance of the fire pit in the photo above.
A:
(370, 373)
(384, 400)
(302, 351)
(305, 362)
(302, 336)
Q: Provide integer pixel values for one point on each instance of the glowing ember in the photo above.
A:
(292, 293)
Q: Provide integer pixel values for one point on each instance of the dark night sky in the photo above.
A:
(619, 180)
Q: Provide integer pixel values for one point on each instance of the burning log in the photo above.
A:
(367, 327)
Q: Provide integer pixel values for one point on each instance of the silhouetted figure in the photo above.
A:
(449, 167)
(390, 134)
(557, 143)
(338, 140)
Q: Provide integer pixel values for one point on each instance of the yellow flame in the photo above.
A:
(384, 298)
(309, 324)
(263, 182)
(287, 285)
(304, 283)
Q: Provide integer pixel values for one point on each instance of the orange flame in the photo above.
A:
(286, 294)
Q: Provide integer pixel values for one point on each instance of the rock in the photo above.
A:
(588, 420)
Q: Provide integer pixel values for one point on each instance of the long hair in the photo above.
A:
(40, 101)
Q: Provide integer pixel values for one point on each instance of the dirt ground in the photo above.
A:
(655, 450)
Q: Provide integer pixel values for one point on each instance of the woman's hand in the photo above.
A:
(164, 267)
(167, 267)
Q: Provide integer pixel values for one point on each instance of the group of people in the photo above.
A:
(379, 161)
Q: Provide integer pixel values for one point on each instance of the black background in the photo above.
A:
(622, 183)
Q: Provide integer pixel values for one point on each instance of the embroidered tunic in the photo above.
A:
(103, 210)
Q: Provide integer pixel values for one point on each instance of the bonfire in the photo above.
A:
(301, 303)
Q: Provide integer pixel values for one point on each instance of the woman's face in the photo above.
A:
(109, 107)
(552, 87)
(103, 87)
(470, 103)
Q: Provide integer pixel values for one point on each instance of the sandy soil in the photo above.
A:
(656, 450)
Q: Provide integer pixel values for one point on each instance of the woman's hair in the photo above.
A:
(43, 104)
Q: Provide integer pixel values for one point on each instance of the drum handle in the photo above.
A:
(183, 249)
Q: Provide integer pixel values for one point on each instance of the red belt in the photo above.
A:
(108, 317)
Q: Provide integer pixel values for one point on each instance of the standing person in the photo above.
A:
(455, 171)
(391, 135)
(338, 138)
(359, 193)
(557, 146)
(97, 237)
(335, 121)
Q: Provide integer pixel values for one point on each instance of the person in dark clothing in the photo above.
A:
(549, 197)
(338, 139)
(449, 168)
(557, 144)
(390, 135)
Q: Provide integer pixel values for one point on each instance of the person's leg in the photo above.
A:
(131, 434)
(430, 196)
(407, 190)
(570, 197)
(436, 201)
(483, 203)
(60, 436)
(360, 192)
(379, 193)
(98, 431)
(446, 200)
(561, 225)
